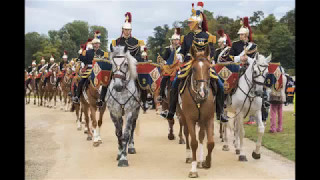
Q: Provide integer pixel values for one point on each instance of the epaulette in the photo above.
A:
(84, 53)
(106, 55)
(114, 44)
(211, 38)
(141, 43)
(181, 39)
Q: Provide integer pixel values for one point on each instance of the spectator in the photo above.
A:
(277, 98)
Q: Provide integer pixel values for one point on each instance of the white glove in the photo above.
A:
(82, 65)
(179, 57)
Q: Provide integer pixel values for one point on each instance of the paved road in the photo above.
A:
(56, 150)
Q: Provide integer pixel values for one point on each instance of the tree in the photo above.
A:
(256, 18)
(267, 24)
(157, 43)
(78, 31)
(282, 46)
(32, 45)
(290, 20)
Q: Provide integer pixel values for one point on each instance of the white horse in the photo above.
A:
(122, 98)
(247, 100)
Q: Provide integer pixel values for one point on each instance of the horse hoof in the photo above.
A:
(181, 141)
(85, 131)
(123, 163)
(193, 175)
(206, 165)
(188, 160)
(242, 158)
(89, 138)
(255, 155)
(83, 122)
(96, 144)
(171, 136)
(100, 141)
(199, 165)
(118, 157)
(222, 140)
(237, 151)
(79, 128)
(132, 151)
(225, 148)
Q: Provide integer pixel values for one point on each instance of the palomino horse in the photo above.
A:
(123, 98)
(50, 89)
(198, 107)
(65, 85)
(165, 107)
(247, 100)
(90, 95)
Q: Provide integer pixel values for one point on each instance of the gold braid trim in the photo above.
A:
(84, 53)
(212, 38)
(181, 39)
(141, 43)
(114, 44)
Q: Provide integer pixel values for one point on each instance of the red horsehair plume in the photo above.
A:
(129, 16)
(192, 5)
(65, 52)
(200, 4)
(246, 24)
(97, 32)
(145, 49)
(229, 43)
(89, 39)
(204, 24)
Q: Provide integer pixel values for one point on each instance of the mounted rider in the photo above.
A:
(48, 71)
(87, 57)
(30, 71)
(126, 39)
(200, 38)
(222, 53)
(245, 47)
(169, 56)
(42, 64)
(144, 54)
(62, 66)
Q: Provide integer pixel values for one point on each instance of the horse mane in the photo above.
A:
(119, 50)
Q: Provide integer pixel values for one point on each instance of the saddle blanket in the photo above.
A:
(229, 75)
(149, 76)
(100, 74)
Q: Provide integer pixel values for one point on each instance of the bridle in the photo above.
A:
(252, 86)
(118, 68)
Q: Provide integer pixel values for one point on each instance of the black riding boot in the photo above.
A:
(173, 100)
(101, 100)
(58, 80)
(220, 102)
(163, 86)
(79, 91)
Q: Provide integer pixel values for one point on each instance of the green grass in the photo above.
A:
(280, 142)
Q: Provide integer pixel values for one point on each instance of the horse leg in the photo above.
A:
(242, 156)
(55, 99)
(131, 149)
(77, 107)
(101, 112)
(188, 151)
(201, 138)
(225, 137)
(181, 140)
(210, 143)
(118, 122)
(236, 134)
(93, 110)
(256, 153)
(194, 146)
(86, 116)
(171, 135)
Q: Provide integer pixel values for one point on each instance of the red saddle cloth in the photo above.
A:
(61, 74)
(48, 74)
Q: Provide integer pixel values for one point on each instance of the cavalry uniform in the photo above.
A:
(241, 48)
(62, 66)
(169, 57)
(38, 70)
(200, 38)
(30, 71)
(48, 70)
(86, 58)
(222, 53)
(134, 46)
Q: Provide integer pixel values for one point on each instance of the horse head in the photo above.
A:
(200, 76)
(123, 67)
(259, 71)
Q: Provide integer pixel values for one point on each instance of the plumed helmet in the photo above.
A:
(176, 34)
(224, 38)
(199, 17)
(34, 62)
(245, 28)
(65, 56)
(42, 59)
(97, 36)
(127, 22)
(51, 58)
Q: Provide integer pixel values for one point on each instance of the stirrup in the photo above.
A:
(159, 98)
(75, 100)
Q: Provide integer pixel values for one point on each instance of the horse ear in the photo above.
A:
(207, 51)
(268, 59)
(256, 56)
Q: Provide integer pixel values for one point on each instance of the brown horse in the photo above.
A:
(30, 87)
(88, 101)
(65, 84)
(50, 88)
(198, 107)
(165, 107)
(74, 84)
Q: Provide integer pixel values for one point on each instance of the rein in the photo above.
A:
(251, 86)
